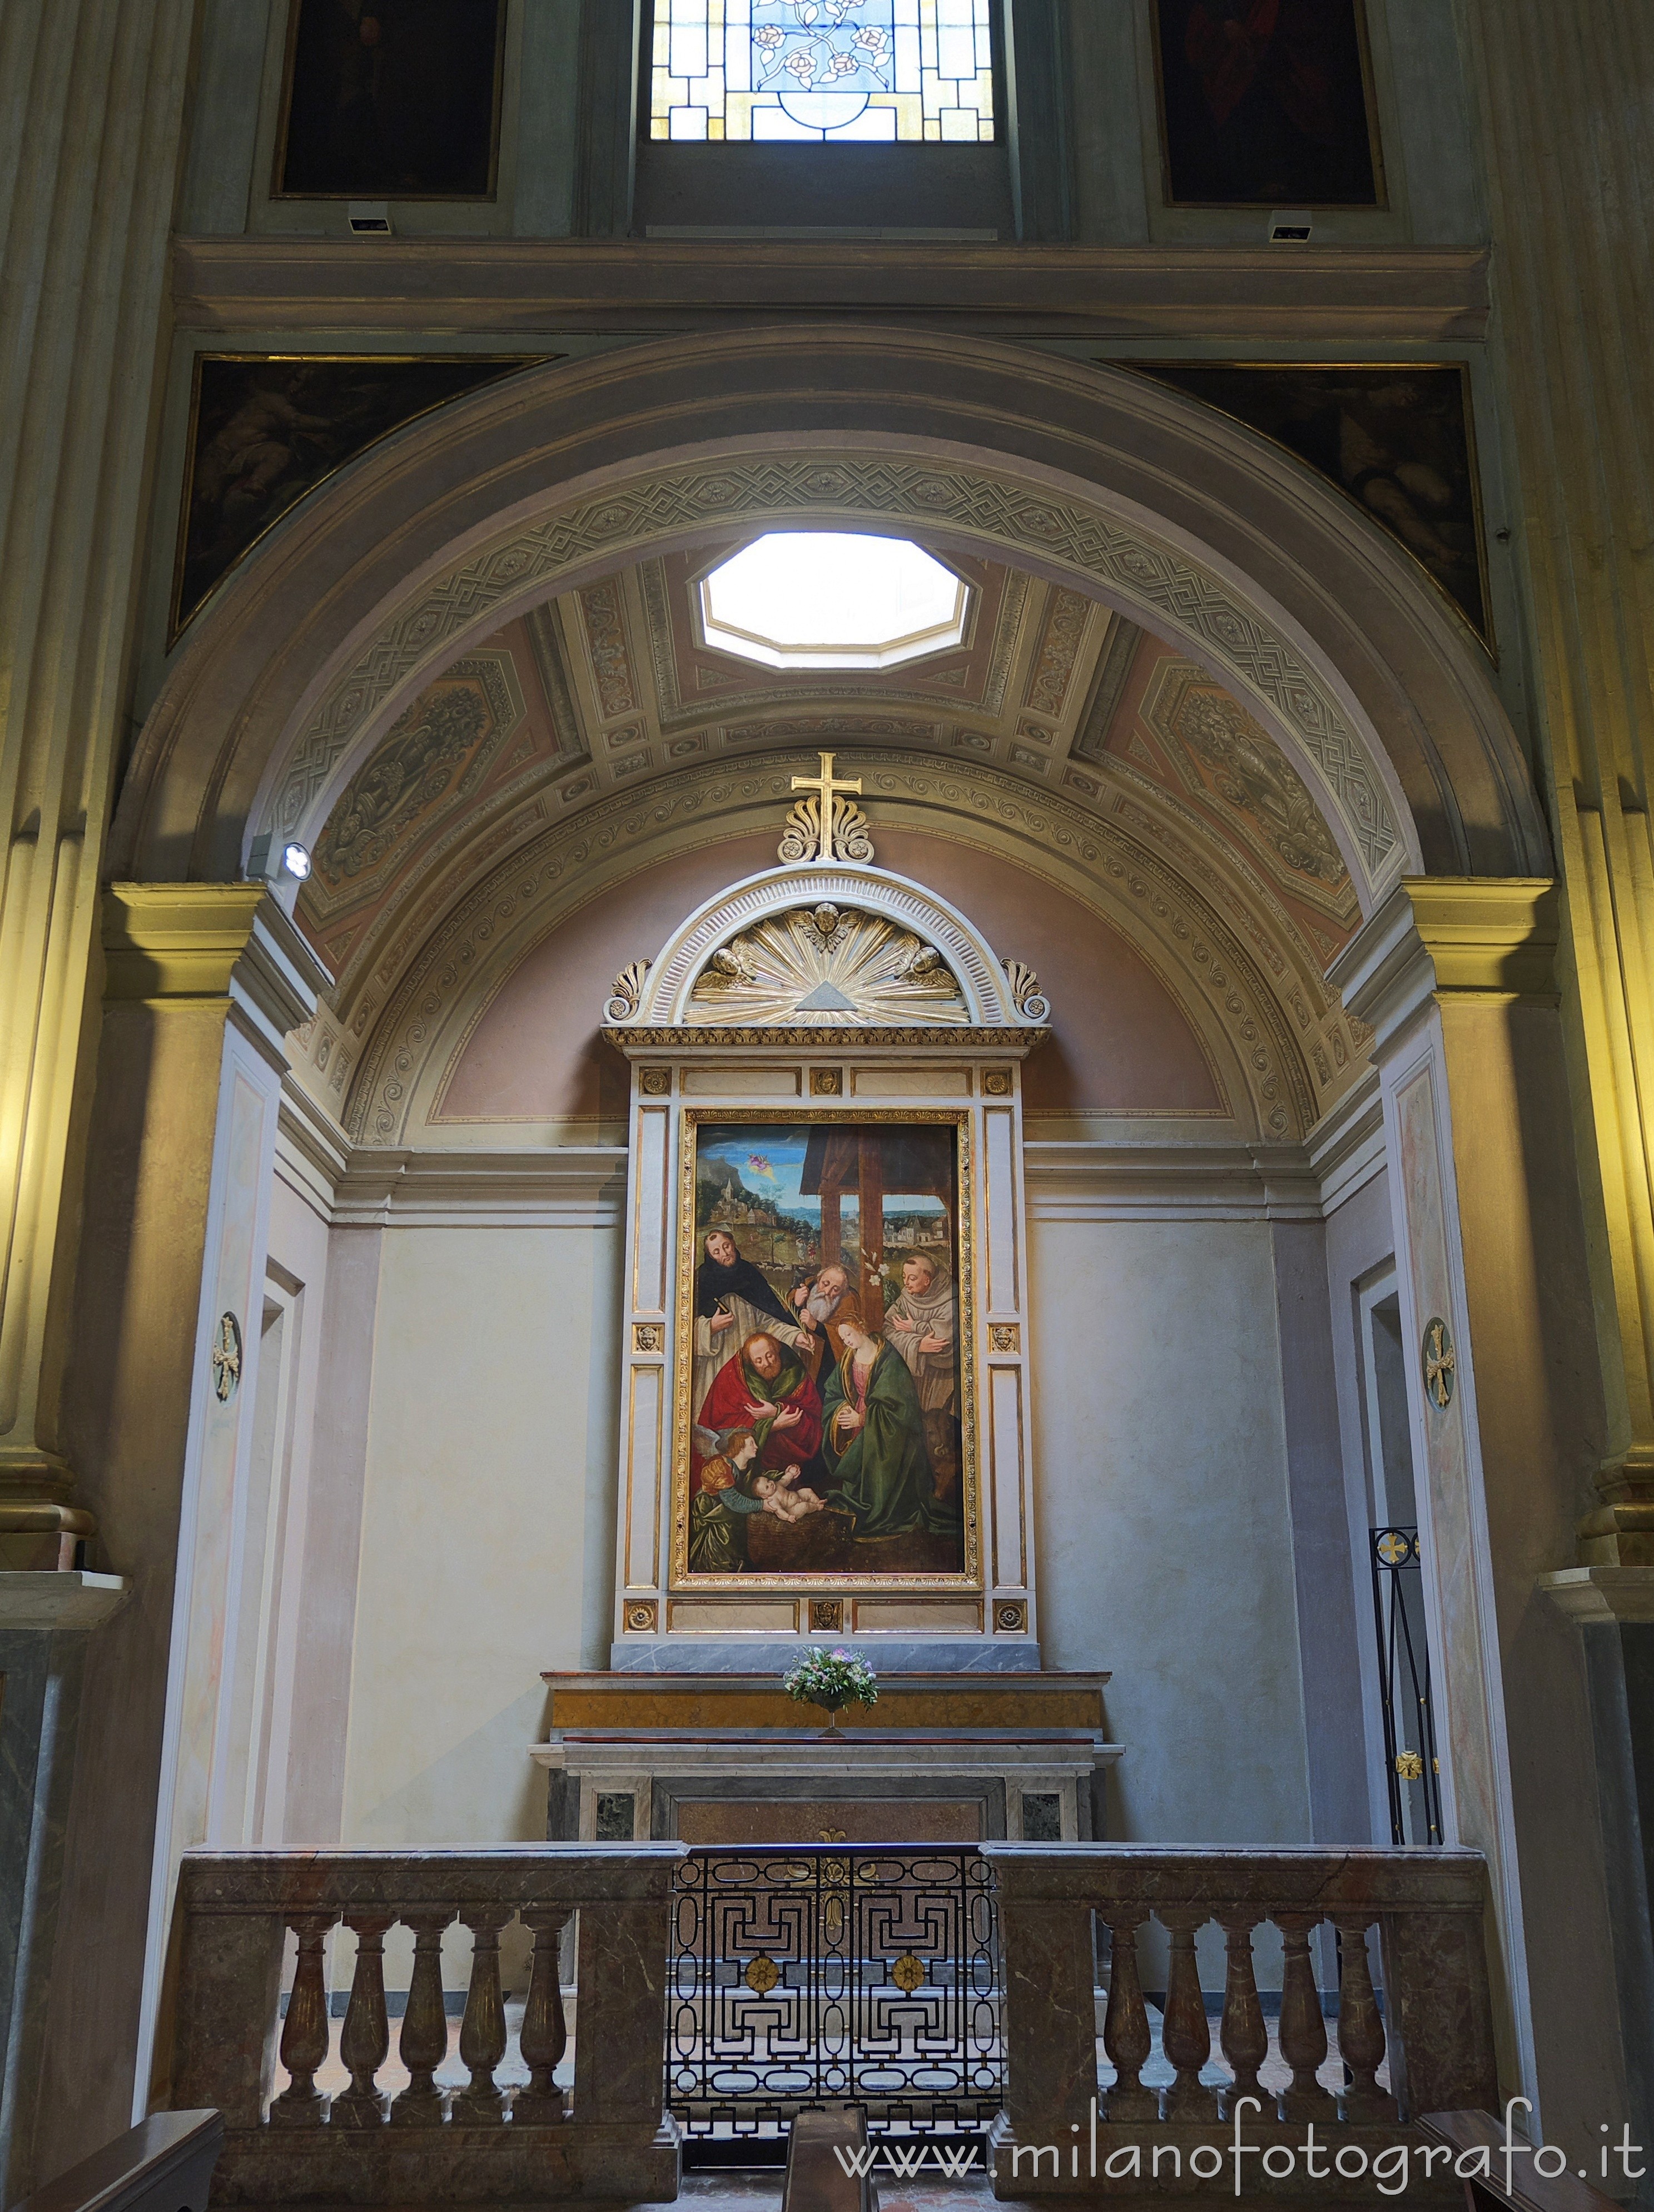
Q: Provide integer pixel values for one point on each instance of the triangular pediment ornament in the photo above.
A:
(826, 998)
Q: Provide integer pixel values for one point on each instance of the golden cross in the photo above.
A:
(1440, 1363)
(827, 792)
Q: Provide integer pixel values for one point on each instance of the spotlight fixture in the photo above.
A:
(295, 859)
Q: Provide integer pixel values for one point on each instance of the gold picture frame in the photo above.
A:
(969, 1577)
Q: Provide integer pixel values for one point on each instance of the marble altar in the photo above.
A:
(730, 1759)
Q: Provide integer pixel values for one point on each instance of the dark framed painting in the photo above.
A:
(825, 1393)
(1266, 104)
(1399, 439)
(391, 99)
(266, 429)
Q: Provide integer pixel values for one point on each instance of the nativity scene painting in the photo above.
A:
(823, 1416)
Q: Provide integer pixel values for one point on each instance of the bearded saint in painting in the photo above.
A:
(922, 1325)
(764, 1388)
(733, 1301)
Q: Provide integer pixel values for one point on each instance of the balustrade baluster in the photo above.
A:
(424, 2040)
(304, 2031)
(1245, 2035)
(1303, 2028)
(365, 2044)
(482, 2030)
(1184, 2036)
(1360, 2024)
(1126, 2035)
(544, 2033)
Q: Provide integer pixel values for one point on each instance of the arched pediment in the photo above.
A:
(829, 947)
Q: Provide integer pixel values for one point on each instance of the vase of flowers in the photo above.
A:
(831, 1680)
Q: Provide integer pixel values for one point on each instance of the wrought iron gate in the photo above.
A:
(808, 1973)
(1411, 1767)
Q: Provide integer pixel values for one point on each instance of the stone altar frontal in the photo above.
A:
(731, 1760)
(826, 1421)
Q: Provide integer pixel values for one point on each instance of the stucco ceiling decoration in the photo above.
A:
(1284, 1045)
(1171, 593)
(1046, 679)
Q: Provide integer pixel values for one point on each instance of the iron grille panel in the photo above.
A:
(1412, 1770)
(813, 1973)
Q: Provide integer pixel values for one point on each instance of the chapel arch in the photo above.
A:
(1266, 1047)
(1195, 527)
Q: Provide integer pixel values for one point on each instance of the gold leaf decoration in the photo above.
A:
(827, 967)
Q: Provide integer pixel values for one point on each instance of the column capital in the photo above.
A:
(1451, 937)
(232, 942)
(1593, 1594)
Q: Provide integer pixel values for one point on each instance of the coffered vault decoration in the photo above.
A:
(600, 724)
(731, 496)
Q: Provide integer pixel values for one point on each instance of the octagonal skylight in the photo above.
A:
(820, 599)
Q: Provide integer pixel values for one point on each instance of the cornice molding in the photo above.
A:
(571, 1187)
(1101, 1181)
(1449, 936)
(1350, 294)
(643, 1041)
(1596, 1595)
(1347, 1147)
(179, 943)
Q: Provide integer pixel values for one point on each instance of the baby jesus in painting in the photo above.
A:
(782, 1500)
(731, 1478)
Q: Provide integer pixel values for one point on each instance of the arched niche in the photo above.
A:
(1193, 526)
(1171, 998)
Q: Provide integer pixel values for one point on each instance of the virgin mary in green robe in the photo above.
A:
(874, 1441)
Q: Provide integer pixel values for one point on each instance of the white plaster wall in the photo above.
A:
(1164, 1528)
(488, 1524)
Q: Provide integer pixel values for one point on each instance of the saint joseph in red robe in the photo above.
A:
(766, 1389)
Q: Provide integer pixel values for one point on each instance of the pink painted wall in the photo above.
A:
(1120, 1042)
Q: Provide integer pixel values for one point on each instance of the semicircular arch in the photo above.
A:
(1262, 1017)
(1184, 521)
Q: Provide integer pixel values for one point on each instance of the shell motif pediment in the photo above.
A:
(827, 966)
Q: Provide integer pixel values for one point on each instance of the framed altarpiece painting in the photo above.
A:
(825, 1415)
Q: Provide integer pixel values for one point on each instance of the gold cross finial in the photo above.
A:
(825, 787)
(824, 826)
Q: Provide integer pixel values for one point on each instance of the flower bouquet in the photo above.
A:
(830, 1679)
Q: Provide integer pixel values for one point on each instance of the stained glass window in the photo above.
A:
(852, 69)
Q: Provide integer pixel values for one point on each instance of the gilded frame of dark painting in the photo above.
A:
(278, 190)
(1484, 633)
(1379, 204)
(179, 617)
(968, 1578)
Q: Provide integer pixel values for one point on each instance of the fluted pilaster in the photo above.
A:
(1567, 109)
(92, 98)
